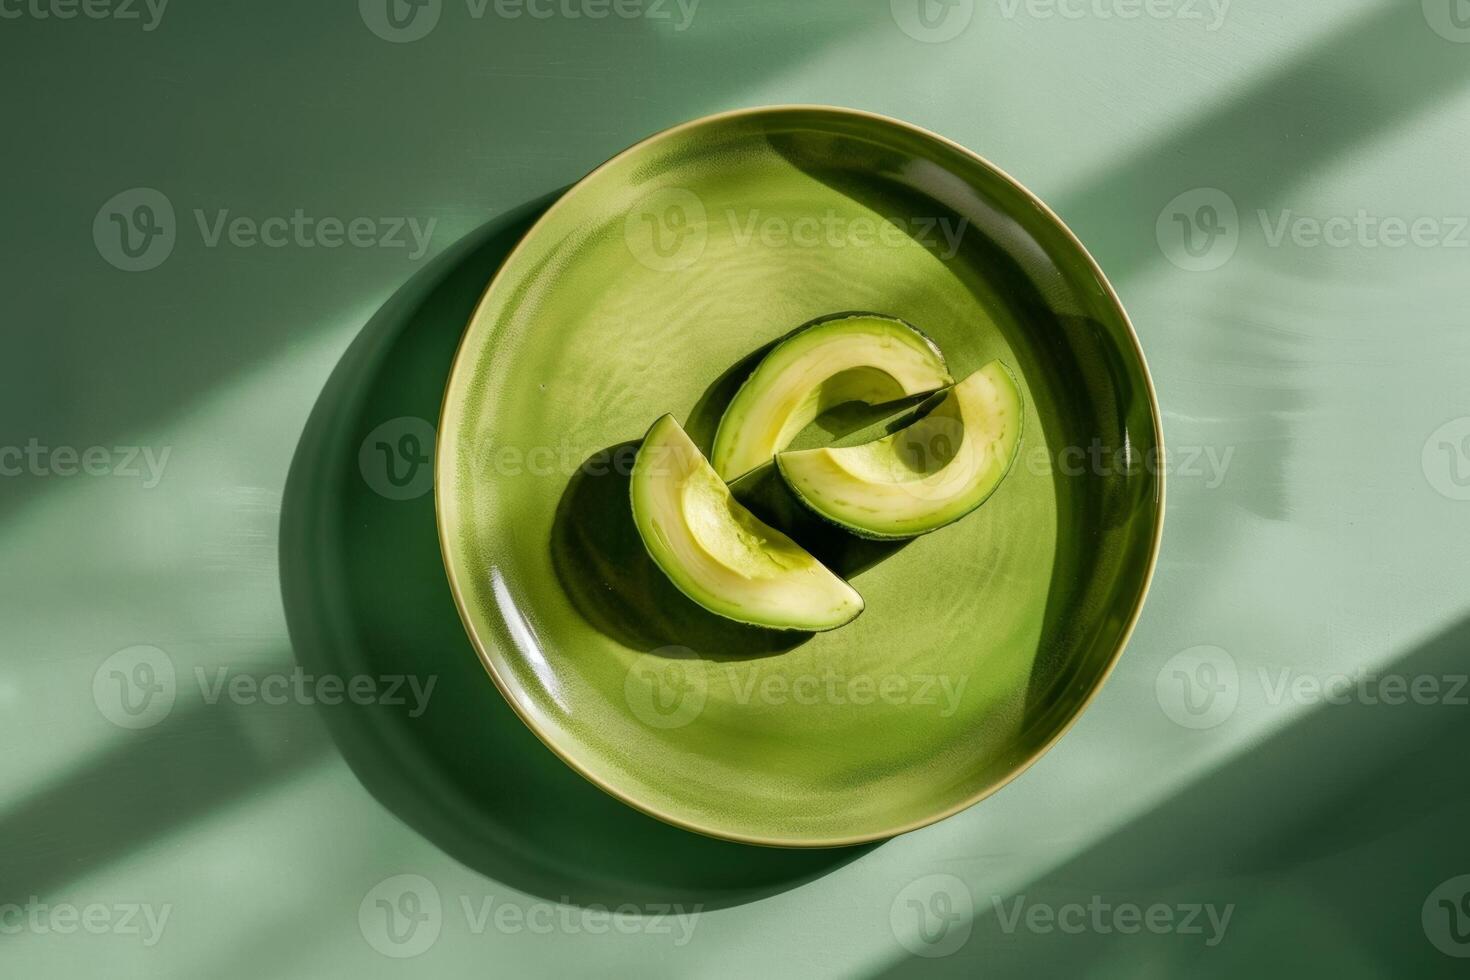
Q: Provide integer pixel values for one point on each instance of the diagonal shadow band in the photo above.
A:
(365, 594)
(151, 363)
(200, 758)
(60, 832)
(1326, 839)
(1385, 65)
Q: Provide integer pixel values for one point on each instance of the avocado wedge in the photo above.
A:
(921, 477)
(719, 554)
(848, 357)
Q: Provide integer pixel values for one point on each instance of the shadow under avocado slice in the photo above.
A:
(721, 555)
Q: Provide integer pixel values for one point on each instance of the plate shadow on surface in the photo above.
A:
(365, 593)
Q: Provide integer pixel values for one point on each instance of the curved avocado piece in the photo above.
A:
(921, 477)
(848, 357)
(718, 553)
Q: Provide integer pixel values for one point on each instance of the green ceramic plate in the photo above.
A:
(650, 287)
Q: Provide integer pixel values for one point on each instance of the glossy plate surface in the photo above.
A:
(650, 287)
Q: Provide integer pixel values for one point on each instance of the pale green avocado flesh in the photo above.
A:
(860, 357)
(921, 477)
(718, 553)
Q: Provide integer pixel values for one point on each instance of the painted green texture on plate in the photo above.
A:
(651, 287)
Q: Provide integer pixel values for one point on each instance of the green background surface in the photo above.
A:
(1315, 404)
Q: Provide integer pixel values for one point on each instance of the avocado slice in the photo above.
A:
(718, 553)
(921, 477)
(842, 358)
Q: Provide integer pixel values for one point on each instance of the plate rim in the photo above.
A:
(442, 471)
